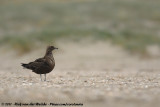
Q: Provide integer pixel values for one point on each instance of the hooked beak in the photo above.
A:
(55, 48)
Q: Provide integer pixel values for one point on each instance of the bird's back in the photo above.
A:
(41, 65)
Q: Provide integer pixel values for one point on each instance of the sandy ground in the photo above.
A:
(96, 75)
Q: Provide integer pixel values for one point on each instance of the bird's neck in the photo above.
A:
(49, 54)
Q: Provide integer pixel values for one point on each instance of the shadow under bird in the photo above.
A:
(42, 65)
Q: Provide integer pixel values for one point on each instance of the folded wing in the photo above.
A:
(36, 65)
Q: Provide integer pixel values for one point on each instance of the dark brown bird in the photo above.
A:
(42, 65)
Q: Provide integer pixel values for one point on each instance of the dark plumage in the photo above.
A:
(42, 65)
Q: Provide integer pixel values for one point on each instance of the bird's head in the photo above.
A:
(51, 48)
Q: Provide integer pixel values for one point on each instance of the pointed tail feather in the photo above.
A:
(25, 65)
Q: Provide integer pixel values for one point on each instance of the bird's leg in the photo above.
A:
(45, 77)
(41, 77)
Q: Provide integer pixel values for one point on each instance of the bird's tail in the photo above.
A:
(25, 65)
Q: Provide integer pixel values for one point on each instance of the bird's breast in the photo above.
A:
(51, 62)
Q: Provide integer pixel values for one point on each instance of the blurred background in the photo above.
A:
(110, 41)
(131, 24)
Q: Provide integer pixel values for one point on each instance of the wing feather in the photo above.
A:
(37, 64)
